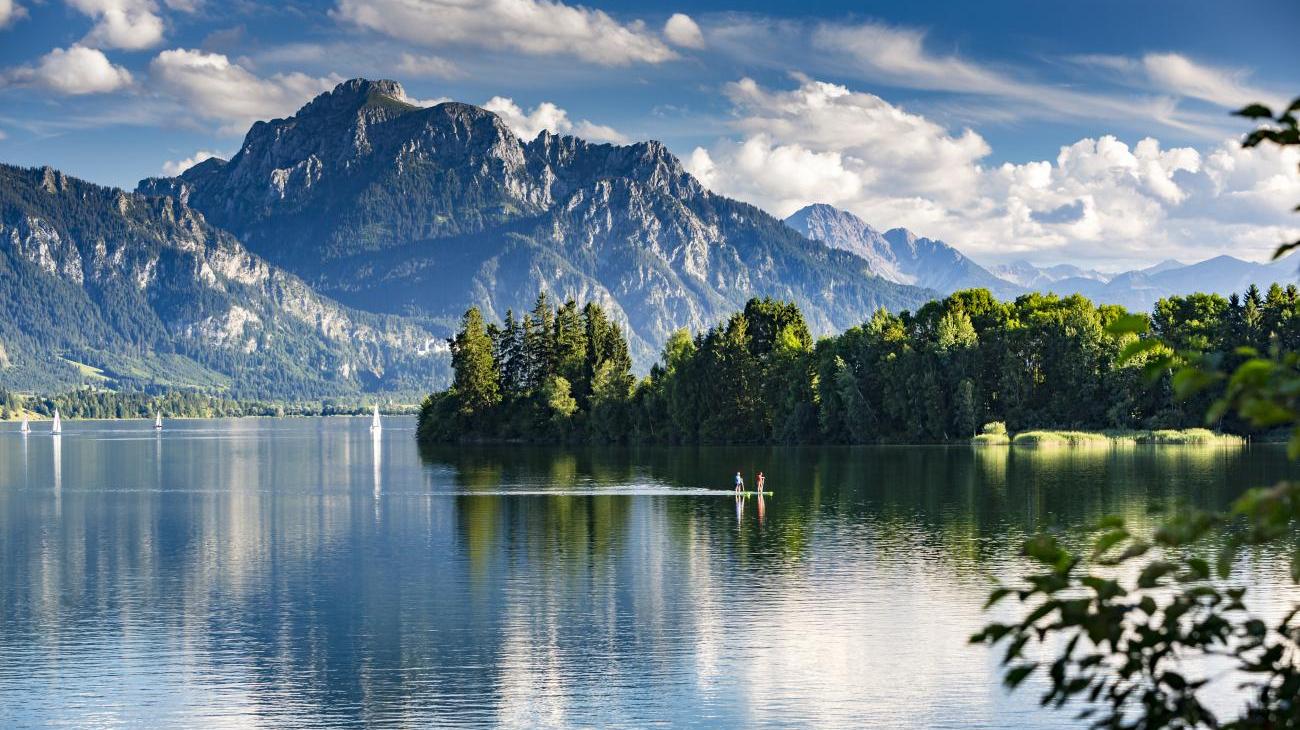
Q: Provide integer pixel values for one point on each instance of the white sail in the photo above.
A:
(157, 422)
(27, 426)
(375, 425)
(57, 426)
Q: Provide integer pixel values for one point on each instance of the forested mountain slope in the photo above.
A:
(131, 290)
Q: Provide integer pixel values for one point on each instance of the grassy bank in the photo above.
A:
(1043, 438)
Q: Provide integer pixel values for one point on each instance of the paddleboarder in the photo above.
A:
(760, 482)
(740, 482)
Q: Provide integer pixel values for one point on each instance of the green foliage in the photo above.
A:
(1112, 629)
(557, 374)
(929, 377)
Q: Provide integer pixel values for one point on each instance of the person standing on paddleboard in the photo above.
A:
(760, 482)
(740, 482)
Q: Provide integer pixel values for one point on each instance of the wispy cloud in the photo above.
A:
(538, 27)
(1176, 74)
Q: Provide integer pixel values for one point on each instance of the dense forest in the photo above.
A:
(99, 403)
(1041, 361)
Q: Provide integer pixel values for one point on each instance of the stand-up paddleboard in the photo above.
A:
(750, 494)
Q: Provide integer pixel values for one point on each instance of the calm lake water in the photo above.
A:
(297, 572)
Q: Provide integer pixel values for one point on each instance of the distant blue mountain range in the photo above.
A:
(901, 256)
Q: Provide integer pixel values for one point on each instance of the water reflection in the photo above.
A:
(291, 573)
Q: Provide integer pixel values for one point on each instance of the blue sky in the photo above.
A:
(1096, 133)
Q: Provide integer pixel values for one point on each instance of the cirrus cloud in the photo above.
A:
(535, 27)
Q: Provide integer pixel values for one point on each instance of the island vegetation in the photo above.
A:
(1039, 370)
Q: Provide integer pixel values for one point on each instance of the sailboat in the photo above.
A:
(57, 427)
(375, 425)
(26, 427)
(157, 422)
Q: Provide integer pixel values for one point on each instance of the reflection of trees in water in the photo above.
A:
(318, 595)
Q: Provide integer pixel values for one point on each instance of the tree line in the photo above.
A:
(100, 403)
(562, 373)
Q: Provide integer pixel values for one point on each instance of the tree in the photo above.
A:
(476, 382)
(1120, 634)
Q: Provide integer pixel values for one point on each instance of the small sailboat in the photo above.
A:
(26, 427)
(57, 427)
(157, 422)
(375, 425)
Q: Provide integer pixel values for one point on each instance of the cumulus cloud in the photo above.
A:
(1100, 199)
(680, 30)
(172, 168)
(213, 87)
(548, 116)
(128, 24)
(538, 27)
(10, 12)
(74, 71)
(417, 65)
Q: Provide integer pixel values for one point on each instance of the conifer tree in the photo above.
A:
(476, 381)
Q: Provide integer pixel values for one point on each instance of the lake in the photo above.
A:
(297, 572)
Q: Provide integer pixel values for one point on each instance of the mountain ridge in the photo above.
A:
(424, 211)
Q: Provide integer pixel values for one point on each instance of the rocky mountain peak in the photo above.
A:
(353, 94)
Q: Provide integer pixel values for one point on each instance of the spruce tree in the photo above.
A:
(476, 382)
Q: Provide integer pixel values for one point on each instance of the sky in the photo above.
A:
(1093, 133)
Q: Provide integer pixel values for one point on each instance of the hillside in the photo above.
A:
(126, 290)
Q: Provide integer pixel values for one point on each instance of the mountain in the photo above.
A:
(898, 255)
(394, 208)
(1139, 290)
(130, 290)
(1029, 276)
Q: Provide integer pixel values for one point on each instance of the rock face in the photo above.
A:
(143, 291)
(393, 208)
(898, 254)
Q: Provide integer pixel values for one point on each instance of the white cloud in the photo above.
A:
(539, 27)
(1100, 200)
(546, 115)
(680, 30)
(901, 57)
(825, 139)
(172, 168)
(211, 86)
(1181, 75)
(10, 12)
(74, 71)
(128, 24)
(416, 65)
